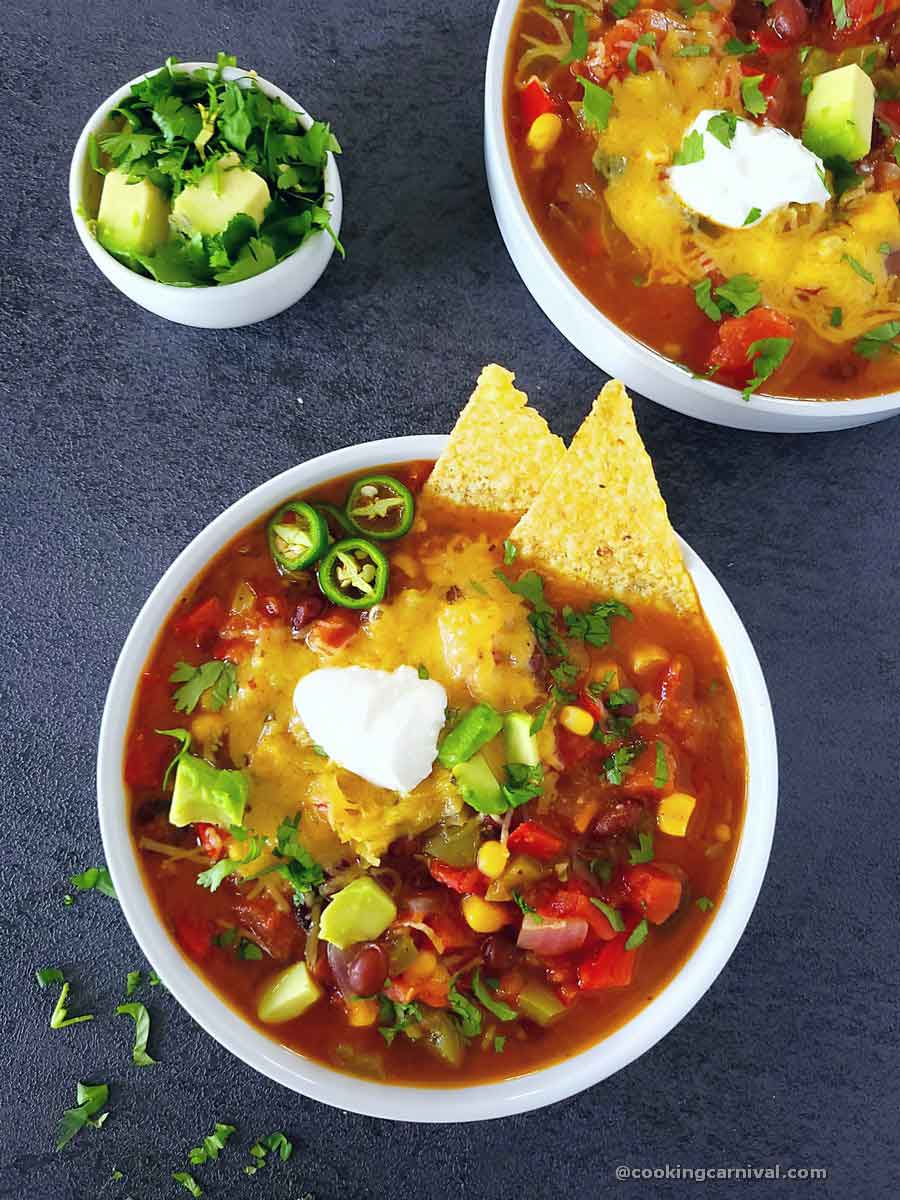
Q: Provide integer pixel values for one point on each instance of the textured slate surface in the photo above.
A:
(122, 436)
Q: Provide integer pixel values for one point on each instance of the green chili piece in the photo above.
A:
(298, 536)
(476, 729)
(380, 507)
(354, 573)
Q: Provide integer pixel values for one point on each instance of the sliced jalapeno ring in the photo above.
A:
(298, 536)
(381, 507)
(338, 525)
(354, 573)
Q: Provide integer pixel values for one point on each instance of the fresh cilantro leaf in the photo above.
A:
(621, 697)
(875, 340)
(499, 1043)
(766, 355)
(530, 587)
(621, 8)
(94, 157)
(843, 175)
(94, 879)
(597, 104)
(754, 101)
(126, 147)
(543, 625)
(858, 268)
(468, 1014)
(524, 907)
(188, 1182)
(541, 715)
(753, 215)
(723, 127)
(494, 1006)
(593, 626)
(218, 677)
(422, 671)
(691, 149)
(736, 46)
(510, 550)
(212, 1146)
(213, 877)
(704, 903)
(176, 119)
(836, 319)
(395, 1017)
(153, 979)
(617, 765)
(841, 18)
(612, 914)
(132, 982)
(47, 975)
(643, 852)
(141, 1018)
(696, 50)
(645, 39)
(739, 295)
(249, 951)
(661, 771)
(638, 935)
(91, 1097)
(271, 1143)
(301, 870)
(884, 248)
(601, 868)
(704, 301)
(523, 783)
(183, 737)
(579, 46)
(257, 256)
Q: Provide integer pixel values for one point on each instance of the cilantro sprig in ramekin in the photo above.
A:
(206, 179)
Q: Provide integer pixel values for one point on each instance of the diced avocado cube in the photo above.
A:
(537, 1002)
(479, 785)
(521, 744)
(133, 218)
(360, 912)
(204, 793)
(839, 112)
(226, 190)
(287, 995)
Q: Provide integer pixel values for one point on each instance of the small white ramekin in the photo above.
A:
(222, 306)
(599, 338)
(285, 1066)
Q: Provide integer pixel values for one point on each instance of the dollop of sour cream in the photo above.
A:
(381, 725)
(763, 169)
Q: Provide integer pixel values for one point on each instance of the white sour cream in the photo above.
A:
(764, 168)
(381, 725)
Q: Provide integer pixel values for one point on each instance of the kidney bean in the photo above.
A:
(789, 19)
(359, 970)
(308, 610)
(499, 953)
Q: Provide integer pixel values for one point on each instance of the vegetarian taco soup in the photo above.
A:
(436, 773)
(721, 179)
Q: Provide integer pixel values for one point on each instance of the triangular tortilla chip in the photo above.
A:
(499, 453)
(600, 519)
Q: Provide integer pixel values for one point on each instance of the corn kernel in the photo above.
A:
(492, 859)
(482, 916)
(647, 656)
(422, 966)
(544, 132)
(723, 833)
(607, 673)
(674, 813)
(576, 720)
(362, 1012)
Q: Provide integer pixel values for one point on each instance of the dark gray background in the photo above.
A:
(123, 435)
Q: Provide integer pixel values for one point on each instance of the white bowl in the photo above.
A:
(600, 339)
(310, 1078)
(222, 306)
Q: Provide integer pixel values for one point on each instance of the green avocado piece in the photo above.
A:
(521, 744)
(839, 112)
(223, 192)
(287, 995)
(360, 912)
(479, 785)
(205, 793)
(133, 218)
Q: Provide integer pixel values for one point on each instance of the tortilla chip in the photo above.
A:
(600, 518)
(499, 453)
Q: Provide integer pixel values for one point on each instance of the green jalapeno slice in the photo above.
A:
(298, 536)
(380, 507)
(354, 573)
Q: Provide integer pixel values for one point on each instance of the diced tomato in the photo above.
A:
(654, 891)
(532, 838)
(203, 622)
(572, 747)
(194, 934)
(610, 967)
(275, 928)
(145, 761)
(737, 334)
(466, 880)
(534, 100)
(211, 839)
(334, 629)
(574, 900)
(861, 12)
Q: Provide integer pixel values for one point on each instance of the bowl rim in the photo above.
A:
(578, 309)
(294, 264)
(401, 1102)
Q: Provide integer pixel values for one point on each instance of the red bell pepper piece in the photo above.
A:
(534, 101)
(654, 891)
(211, 839)
(861, 12)
(610, 967)
(203, 622)
(465, 880)
(194, 935)
(532, 838)
(737, 334)
(574, 900)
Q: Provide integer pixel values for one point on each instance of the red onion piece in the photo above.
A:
(552, 935)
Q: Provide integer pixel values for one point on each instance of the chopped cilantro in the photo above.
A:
(132, 982)
(525, 907)
(541, 715)
(738, 295)
(593, 626)
(249, 951)
(638, 935)
(510, 550)
(499, 1043)
(188, 1182)
(523, 783)
(467, 1013)
(612, 914)
(736, 46)
(704, 903)
(94, 879)
(530, 586)
(578, 48)
(643, 852)
(806, 85)
(693, 51)
(723, 127)
(621, 8)
(183, 737)
(858, 268)
(843, 175)
(141, 1018)
(212, 1146)
(619, 762)
(601, 868)
(301, 870)
(47, 975)
(661, 771)
(753, 215)
(218, 677)
(691, 149)
(645, 39)
(766, 355)
(704, 301)
(836, 319)
(875, 340)
(422, 671)
(621, 696)
(395, 1017)
(270, 1144)
(500, 1010)
(597, 104)
(90, 1097)
(754, 101)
